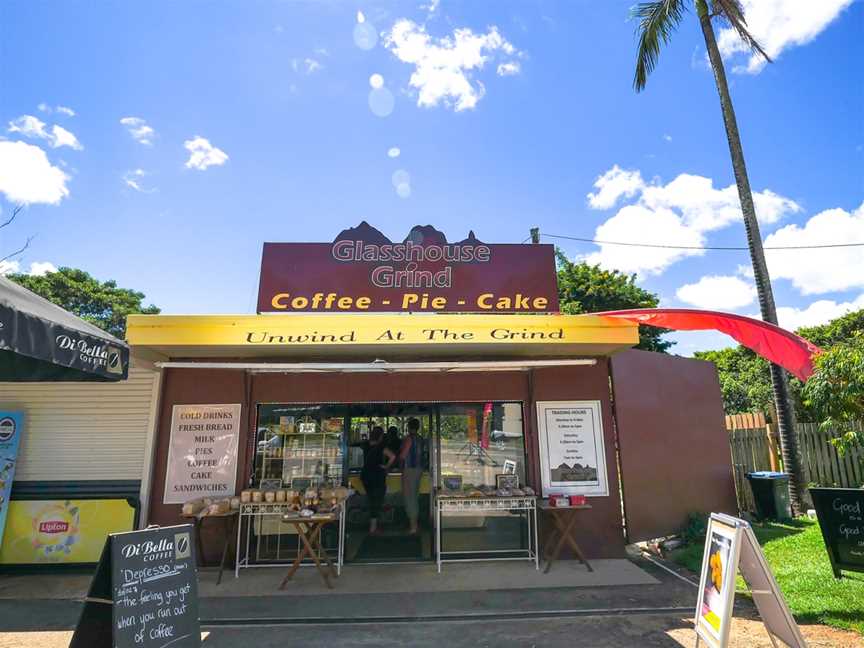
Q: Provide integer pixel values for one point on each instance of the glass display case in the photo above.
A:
(299, 446)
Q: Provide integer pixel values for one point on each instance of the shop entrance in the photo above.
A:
(457, 445)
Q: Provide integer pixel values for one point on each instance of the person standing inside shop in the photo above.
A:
(411, 457)
(377, 460)
(391, 439)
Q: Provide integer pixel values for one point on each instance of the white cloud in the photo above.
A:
(778, 25)
(819, 312)
(444, 68)
(34, 128)
(614, 184)
(678, 213)
(509, 69)
(26, 175)
(306, 65)
(63, 110)
(203, 154)
(718, 292)
(29, 126)
(640, 224)
(37, 268)
(432, 8)
(707, 208)
(745, 271)
(140, 131)
(393, 152)
(820, 270)
(62, 137)
(133, 180)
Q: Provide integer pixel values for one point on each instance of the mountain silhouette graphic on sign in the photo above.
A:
(419, 235)
(575, 473)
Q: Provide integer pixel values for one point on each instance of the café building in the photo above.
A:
(462, 343)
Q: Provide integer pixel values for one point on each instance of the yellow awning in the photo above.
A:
(378, 335)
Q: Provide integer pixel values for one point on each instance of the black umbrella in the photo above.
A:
(40, 341)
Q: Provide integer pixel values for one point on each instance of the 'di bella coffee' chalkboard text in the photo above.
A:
(144, 593)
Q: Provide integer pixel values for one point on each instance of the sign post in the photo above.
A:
(841, 518)
(730, 547)
(11, 427)
(144, 593)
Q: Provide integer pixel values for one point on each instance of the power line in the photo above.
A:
(706, 247)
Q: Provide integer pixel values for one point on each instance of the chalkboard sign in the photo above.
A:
(841, 518)
(144, 593)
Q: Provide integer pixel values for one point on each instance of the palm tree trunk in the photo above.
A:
(779, 382)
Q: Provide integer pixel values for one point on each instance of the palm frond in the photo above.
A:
(733, 13)
(657, 21)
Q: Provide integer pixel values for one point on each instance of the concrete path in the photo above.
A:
(642, 631)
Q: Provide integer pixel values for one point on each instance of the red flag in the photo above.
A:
(777, 345)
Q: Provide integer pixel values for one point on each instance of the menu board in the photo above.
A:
(572, 448)
(841, 518)
(202, 456)
(717, 583)
(730, 547)
(144, 593)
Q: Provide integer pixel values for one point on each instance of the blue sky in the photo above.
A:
(505, 115)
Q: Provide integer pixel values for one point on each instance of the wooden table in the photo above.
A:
(229, 522)
(565, 518)
(309, 531)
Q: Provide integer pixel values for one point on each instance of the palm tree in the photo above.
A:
(657, 21)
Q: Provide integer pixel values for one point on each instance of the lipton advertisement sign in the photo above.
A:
(364, 271)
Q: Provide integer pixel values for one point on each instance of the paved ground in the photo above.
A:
(643, 631)
(35, 613)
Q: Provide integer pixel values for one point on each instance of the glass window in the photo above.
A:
(482, 440)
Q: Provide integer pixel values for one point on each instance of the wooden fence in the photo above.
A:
(757, 448)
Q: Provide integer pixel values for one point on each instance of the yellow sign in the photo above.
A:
(297, 331)
(62, 531)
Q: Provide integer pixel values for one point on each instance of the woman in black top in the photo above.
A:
(377, 459)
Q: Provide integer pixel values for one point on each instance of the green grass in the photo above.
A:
(800, 564)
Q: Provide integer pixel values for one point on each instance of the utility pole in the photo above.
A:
(535, 235)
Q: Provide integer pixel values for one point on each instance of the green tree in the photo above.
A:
(745, 378)
(657, 21)
(100, 303)
(584, 288)
(835, 391)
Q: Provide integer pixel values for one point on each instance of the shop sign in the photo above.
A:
(572, 448)
(11, 428)
(62, 531)
(362, 270)
(730, 547)
(202, 455)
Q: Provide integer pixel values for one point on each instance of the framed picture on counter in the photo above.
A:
(452, 482)
(507, 480)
